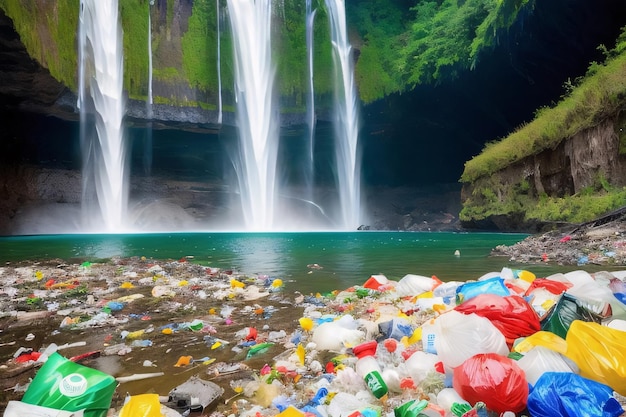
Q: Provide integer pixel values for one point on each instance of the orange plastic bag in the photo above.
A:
(599, 353)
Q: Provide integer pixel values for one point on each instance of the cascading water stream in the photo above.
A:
(219, 64)
(346, 117)
(147, 154)
(310, 17)
(256, 116)
(101, 106)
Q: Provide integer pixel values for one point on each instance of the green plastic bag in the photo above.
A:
(568, 309)
(64, 385)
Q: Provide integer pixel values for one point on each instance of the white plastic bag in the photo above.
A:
(539, 360)
(20, 409)
(460, 336)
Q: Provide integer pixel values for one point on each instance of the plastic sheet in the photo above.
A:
(470, 290)
(512, 315)
(567, 310)
(558, 394)
(493, 379)
(460, 336)
(600, 353)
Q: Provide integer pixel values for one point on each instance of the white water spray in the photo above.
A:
(256, 114)
(346, 114)
(101, 112)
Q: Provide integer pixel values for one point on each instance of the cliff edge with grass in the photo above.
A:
(567, 166)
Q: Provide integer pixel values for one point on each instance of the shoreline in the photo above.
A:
(62, 303)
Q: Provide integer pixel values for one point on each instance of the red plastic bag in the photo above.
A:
(555, 287)
(512, 315)
(493, 379)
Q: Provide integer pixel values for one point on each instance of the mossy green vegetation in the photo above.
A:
(493, 198)
(397, 46)
(134, 20)
(43, 29)
(431, 42)
(598, 95)
(588, 101)
(199, 45)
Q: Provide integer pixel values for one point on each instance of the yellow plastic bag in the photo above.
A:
(542, 338)
(599, 353)
(143, 405)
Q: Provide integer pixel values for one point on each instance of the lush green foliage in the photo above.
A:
(398, 43)
(43, 29)
(431, 42)
(199, 45)
(598, 95)
(134, 20)
(494, 198)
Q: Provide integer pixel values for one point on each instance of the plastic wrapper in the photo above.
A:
(470, 290)
(493, 379)
(512, 315)
(558, 394)
(600, 297)
(599, 352)
(64, 385)
(396, 329)
(540, 360)
(144, 405)
(411, 285)
(618, 287)
(568, 309)
(460, 336)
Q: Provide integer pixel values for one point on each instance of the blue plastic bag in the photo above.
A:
(565, 394)
(489, 286)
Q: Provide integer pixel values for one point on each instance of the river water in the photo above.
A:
(312, 261)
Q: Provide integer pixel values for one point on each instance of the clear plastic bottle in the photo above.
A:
(367, 368)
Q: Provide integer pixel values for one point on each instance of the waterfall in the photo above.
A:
(257, 118)
(147, 153)
(219, 65)
(101, 112)
(310, 108)
(346, 117)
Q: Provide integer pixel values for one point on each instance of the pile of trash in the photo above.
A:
(507, 344)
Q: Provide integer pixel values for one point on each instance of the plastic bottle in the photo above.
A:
(428, 337)
(368, 369)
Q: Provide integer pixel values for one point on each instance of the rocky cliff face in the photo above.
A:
(580, 162)
(23, 82)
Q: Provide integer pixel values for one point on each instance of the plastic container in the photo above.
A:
(367, 368)
(428, 337)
